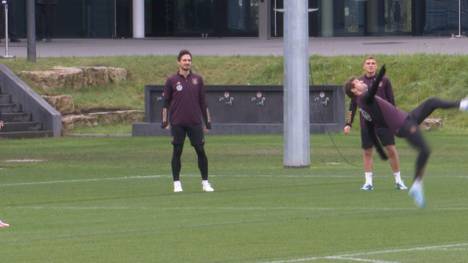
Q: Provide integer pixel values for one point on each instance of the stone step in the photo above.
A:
(5, 98)
(21, 126)
(15, 117)
(9, 107)
(26, 134)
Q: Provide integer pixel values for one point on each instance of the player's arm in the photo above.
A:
(207, 118)
(203, 106)
(369, 97)
(2, 124)
(376, 141)
(389, 92)
(167, 96)
(350, 116)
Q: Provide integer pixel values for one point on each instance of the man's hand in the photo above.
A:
(347, 129)
(164, 122)
(2, 124)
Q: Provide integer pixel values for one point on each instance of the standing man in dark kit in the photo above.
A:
(185, 112)
(45, 19)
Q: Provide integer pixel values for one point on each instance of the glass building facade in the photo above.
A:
(197, 17)
(225, 18)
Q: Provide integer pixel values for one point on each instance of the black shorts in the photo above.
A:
(195, 134)
(385, 136)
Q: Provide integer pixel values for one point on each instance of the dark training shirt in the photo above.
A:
(186, 99)
(381, 113)
(385, 92)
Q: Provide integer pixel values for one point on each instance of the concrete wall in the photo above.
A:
(251, 110)
(30, 101)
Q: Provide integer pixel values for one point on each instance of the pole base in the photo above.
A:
(7, 57)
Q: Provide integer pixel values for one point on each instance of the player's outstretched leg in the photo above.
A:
(413, 135)
(417, 193)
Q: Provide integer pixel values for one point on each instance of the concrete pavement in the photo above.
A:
(241, 46)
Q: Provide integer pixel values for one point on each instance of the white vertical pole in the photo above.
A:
(459, 18)
(296, 84)
(275, 22)
(138, 18)
(7, 53)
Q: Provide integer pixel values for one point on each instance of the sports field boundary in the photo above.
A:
(354, 256)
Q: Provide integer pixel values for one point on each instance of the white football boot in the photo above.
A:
(177, 187)
(367, 187)
(206, 186)
(400, 186)
(464, 104)
(417, 193)
(3, 224)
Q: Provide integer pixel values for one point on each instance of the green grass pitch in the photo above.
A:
(111, 200)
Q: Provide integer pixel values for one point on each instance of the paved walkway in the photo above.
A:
(241, 46)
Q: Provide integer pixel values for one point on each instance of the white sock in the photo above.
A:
(397, 177)
(368, 176)
(204, 182)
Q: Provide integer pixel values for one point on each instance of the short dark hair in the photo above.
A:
(369, 57)
(348, 86)
(182, 53)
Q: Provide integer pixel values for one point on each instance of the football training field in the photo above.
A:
(111, 200)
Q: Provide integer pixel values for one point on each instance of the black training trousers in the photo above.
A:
(411, 132)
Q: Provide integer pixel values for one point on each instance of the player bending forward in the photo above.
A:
(378, 112)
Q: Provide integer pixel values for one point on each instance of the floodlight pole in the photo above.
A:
(296, 118)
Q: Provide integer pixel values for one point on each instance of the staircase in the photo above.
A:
(18, 124)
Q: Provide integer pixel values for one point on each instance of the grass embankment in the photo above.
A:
(414, 77)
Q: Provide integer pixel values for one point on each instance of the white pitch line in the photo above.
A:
(378, 252)
(389, 251)
(229, 208)
(453, 249)
(137, 177)
(82, 180)
(360, 259)
(233, 208)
